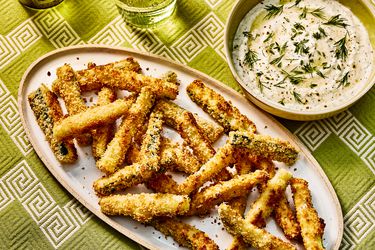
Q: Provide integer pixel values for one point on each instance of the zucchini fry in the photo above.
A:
(48, 112)
(138, 172)
(203, 201)
(145, 206)
(222, 111)
(173, 112)
(265, 146)
(252, 235)
(208, 171)
(118, 77)
(103, 135)
(286, 219)
(262, 208)
(184, 234)
(162, 183)
(67, 87)
(312, 227)
(283, 213)
(116, 150)
(88, 81)
(91, 118)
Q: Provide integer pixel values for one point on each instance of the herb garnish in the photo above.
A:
(344, 81)
(269, 37)
(251, 58)
(279, 84)
(297, 97)
(297, 2)
(273, 10)
(261, 86)
(316, 12)
(277, 60)
(320, 34)
(282, 102)
(319, 73)
(337, 21)
(313, 85)
(301, 47)
(298, 26)
(341, 51)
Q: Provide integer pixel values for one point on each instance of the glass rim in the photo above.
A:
(126, 7)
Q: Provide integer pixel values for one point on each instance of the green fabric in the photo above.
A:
(36, 212)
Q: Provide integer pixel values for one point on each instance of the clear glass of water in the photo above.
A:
(143, 13)
(40, 4)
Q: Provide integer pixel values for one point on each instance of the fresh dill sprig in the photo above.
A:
(277, 60)
(308, 68)
(295, 79)
(319, 73)
(261, 86)
(273, 10)
(269, 37)
(251, 58)
(315, 12)
(298, 26)
(304, 13)
(337, 21)
(344, 81)
(341, 51)
(301, 47)
(320, 34)
(297, 2)
(318, 13)
(297, 97)
(280, 84)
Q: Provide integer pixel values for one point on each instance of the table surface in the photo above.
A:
(35, 210)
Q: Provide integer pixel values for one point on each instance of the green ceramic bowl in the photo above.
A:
(363, 9)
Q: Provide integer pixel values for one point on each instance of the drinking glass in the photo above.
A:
(145, 13)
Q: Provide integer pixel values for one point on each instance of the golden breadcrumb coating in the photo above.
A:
(88, 81)
(145, 206)
(138, 172)
(102, 136)
(265, 146)
(119, 77)
(67, 87)
(222, 111)
(93, 117)
(286, 219)
(162, 183)
(312, 227)
(222, 159)
(47, 111)
(184, 234)
(203, 201)
(114, 155)
(252, 235)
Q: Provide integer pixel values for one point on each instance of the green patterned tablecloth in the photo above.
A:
(37, 213)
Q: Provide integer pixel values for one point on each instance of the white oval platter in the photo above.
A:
(78, 178)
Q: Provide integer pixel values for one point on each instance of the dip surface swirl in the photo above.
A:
(303, 55)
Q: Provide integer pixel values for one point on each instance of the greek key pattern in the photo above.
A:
(57, 223)
(347, 128)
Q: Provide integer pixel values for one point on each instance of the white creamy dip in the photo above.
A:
(303, 55)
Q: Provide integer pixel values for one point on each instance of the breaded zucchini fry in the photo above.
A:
(208, 171)
(312, 227)
(262, 208)
(252, 235)
(203, 201)
(265, 146)
(144, 207)
(88, 81)
(119, 77)
(102, 136)
(188, 129)
(67, 87)
(138, 172)
(173, 112)
(91, 118)
(114, 155)
(221, 111)
(286, 219)
(184, 234)
(162, 183)
(283, 213)
(47, 111)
